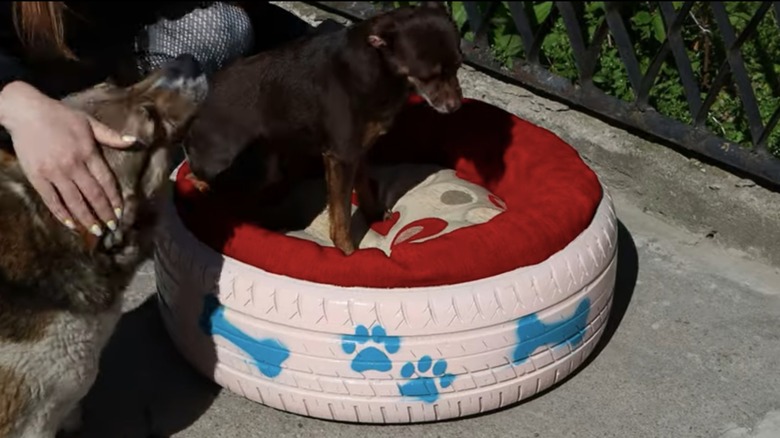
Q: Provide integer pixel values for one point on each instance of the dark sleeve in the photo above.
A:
(11, 69)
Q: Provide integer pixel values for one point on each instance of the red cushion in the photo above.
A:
(551, 196)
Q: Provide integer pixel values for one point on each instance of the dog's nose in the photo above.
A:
(452, 105)
(184, 66)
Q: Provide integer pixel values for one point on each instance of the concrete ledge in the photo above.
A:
(707, 201)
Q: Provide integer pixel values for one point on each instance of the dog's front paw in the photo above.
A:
(348, 251)
(345, 245)
(129, 255)
(200, 185)
(113, 239)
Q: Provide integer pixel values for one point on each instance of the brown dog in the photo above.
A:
(61, 291)
(329, 95)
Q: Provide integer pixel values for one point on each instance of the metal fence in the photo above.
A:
(615, 27)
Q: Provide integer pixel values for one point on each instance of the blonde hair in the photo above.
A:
(40, 27)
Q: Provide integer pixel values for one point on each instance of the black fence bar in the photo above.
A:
(625, 46)
(675, 42)
(737, 64)
(478, 21)
(523, 23)
(528, 70)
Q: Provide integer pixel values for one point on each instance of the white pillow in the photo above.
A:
(427, 202)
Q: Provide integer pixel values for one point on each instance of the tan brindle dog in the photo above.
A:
(61, 291)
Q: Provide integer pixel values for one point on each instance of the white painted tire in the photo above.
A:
(455, 350)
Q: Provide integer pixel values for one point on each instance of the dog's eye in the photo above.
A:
(149, 112)
(428, 78)
(141, 113)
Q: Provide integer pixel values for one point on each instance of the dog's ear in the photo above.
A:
(376, 41)
(140, 122)
(383, 32)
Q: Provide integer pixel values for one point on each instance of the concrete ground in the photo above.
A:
(693, 348)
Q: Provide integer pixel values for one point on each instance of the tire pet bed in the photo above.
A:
(491, 282)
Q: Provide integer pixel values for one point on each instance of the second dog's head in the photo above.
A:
(423, 44)
(156, 111)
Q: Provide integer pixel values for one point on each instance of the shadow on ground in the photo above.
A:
(145, 388)
(625, 282)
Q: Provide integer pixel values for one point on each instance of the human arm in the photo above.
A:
(56, 149)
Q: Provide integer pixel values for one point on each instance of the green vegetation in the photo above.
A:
(703, 43)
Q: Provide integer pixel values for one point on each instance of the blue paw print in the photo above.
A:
(425, 388)
(371, 358)
(268, 355)
(533, 333)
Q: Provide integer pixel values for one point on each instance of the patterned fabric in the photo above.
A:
(440, 204)
(214, 35)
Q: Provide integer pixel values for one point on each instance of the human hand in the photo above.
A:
(56, 149)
